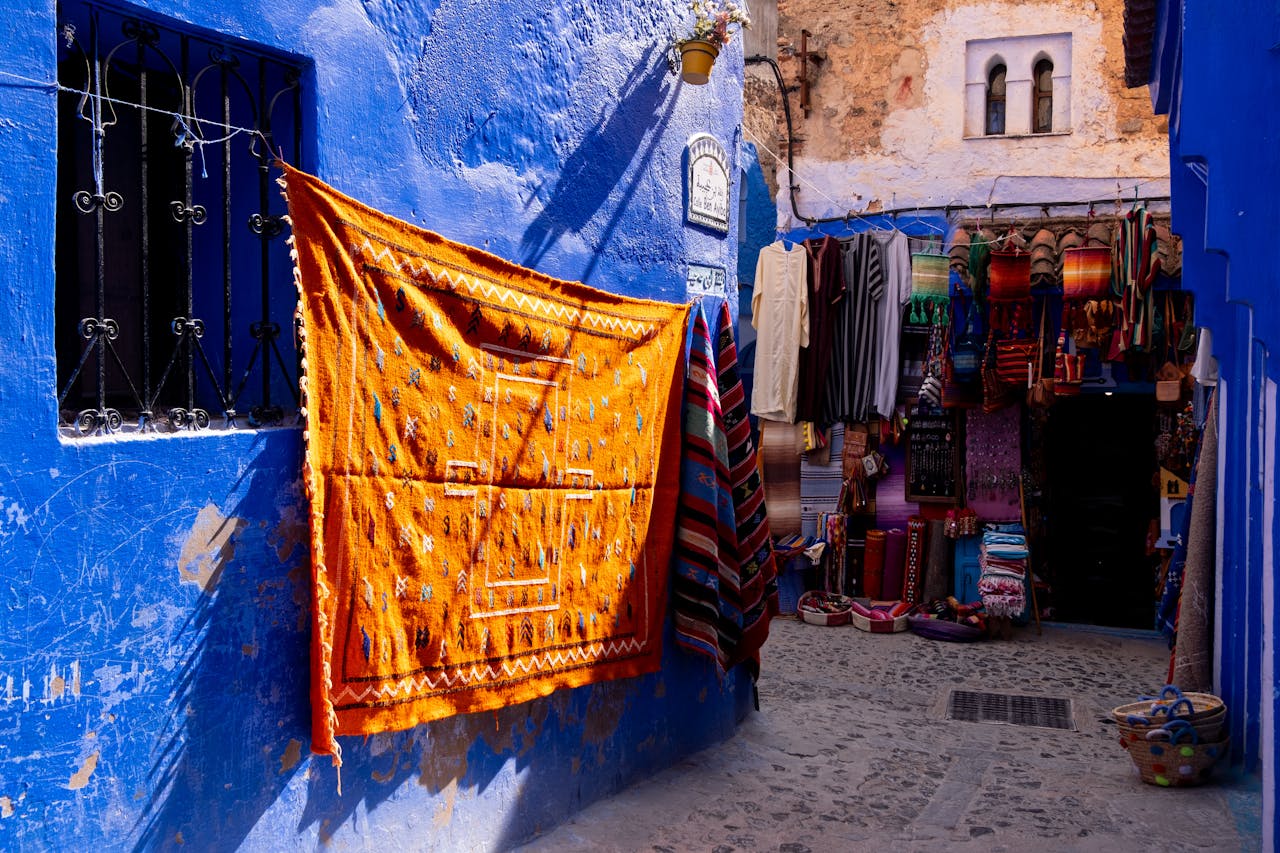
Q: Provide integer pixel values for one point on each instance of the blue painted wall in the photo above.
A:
(1210, 74)
(154, 591)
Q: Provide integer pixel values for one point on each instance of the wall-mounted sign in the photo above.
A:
(708, 183)
(703, 280)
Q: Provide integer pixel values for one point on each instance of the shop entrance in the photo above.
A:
(1101, 499)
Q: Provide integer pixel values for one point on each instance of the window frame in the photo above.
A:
(170, 227)
(1041, 95)
(998, 70)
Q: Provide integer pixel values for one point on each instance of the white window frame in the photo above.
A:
(1019, 54)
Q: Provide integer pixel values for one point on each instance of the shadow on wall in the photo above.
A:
(234, 738)
(594, 170)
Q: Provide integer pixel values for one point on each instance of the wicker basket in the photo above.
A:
(1178, 762)
(1208, 729)
(1171, 704)
(863, 619)
(825, 608)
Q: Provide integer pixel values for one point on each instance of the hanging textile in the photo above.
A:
(1135, 262)
(781, 450)
(930, 289)
(1167, 610)
(780, 316)
(851, 381)
(725, 585)
(896, 255)
(826, 290)
(833, 527)
(706, 537)
(751, 591)
(895, 562)
(491, 459)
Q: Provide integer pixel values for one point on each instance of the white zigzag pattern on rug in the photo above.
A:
(414, 685)
(503, 294)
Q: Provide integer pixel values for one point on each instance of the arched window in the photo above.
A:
(1042, 97)
(995, 100)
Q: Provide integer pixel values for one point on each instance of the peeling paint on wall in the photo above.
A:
(292, 754)
(209, 546)
(81, 777)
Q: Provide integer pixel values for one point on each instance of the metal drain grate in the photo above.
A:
(1049, 712)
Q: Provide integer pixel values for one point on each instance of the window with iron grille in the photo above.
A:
(175, 297)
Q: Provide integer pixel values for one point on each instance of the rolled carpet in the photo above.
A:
(937, 572)
(895, 560)
(873, 565)
(780, 454)
(912, 581)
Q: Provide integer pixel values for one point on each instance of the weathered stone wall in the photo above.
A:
(887, 118)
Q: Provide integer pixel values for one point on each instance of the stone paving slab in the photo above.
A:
(851, 751)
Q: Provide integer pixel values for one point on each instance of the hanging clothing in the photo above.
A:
(851, 381)
(896, 255)
(780, 316)
(1135, 262)
(825, 292)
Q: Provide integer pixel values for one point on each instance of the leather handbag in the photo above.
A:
(996, 393)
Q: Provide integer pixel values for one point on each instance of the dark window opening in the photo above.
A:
(175, 297)
(1042, 92)
(995, 101)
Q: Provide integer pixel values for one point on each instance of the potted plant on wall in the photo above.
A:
(714, 23)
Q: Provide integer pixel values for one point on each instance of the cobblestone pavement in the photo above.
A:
(851, 751)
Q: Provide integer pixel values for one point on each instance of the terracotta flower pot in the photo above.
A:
(696, 58)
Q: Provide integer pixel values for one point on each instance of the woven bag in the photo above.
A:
(1009, 276)
(1086, 272)
(1015, 361)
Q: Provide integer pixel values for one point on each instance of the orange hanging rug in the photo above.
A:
(492, 463)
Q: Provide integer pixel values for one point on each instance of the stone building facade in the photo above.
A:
(889, 106)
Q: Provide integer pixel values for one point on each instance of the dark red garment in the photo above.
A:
(826, 289)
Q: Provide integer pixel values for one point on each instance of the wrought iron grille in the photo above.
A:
(175, 297)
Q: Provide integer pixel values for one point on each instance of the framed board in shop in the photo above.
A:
(935, 463)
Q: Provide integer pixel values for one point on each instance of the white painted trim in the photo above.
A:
(1019, 135)
(1220, 534)
(1269, 699)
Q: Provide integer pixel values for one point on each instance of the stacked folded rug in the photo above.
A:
(1003, 560)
